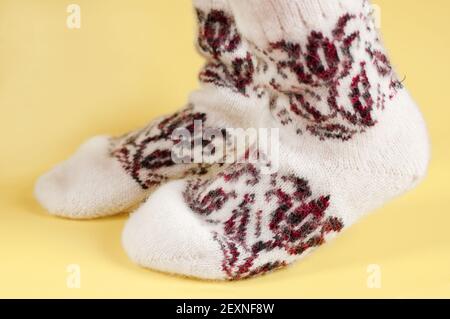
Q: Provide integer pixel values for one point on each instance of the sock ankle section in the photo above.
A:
(266, 21)
(325, 66)
(227, 79)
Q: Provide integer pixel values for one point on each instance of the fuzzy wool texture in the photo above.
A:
(164, 235)
(88, 185)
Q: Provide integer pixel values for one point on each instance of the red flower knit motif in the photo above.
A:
(230, 64)
(147, 154)
(326, 80)
(261, 222)
(217, 33)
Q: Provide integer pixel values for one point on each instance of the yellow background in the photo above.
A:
(133, 60)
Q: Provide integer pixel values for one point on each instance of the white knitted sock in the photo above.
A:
(351, 138)
(109, 175)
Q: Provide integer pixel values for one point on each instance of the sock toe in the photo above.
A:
(90, 184)
(164, 234)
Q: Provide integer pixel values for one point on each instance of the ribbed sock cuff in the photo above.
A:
(265, 21)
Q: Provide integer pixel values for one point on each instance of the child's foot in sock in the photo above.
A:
(351, 138)
(109, 175)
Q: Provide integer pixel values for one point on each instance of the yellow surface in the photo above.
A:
(133, 60)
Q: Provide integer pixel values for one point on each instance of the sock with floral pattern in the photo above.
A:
(351, 138)
(109, 175)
